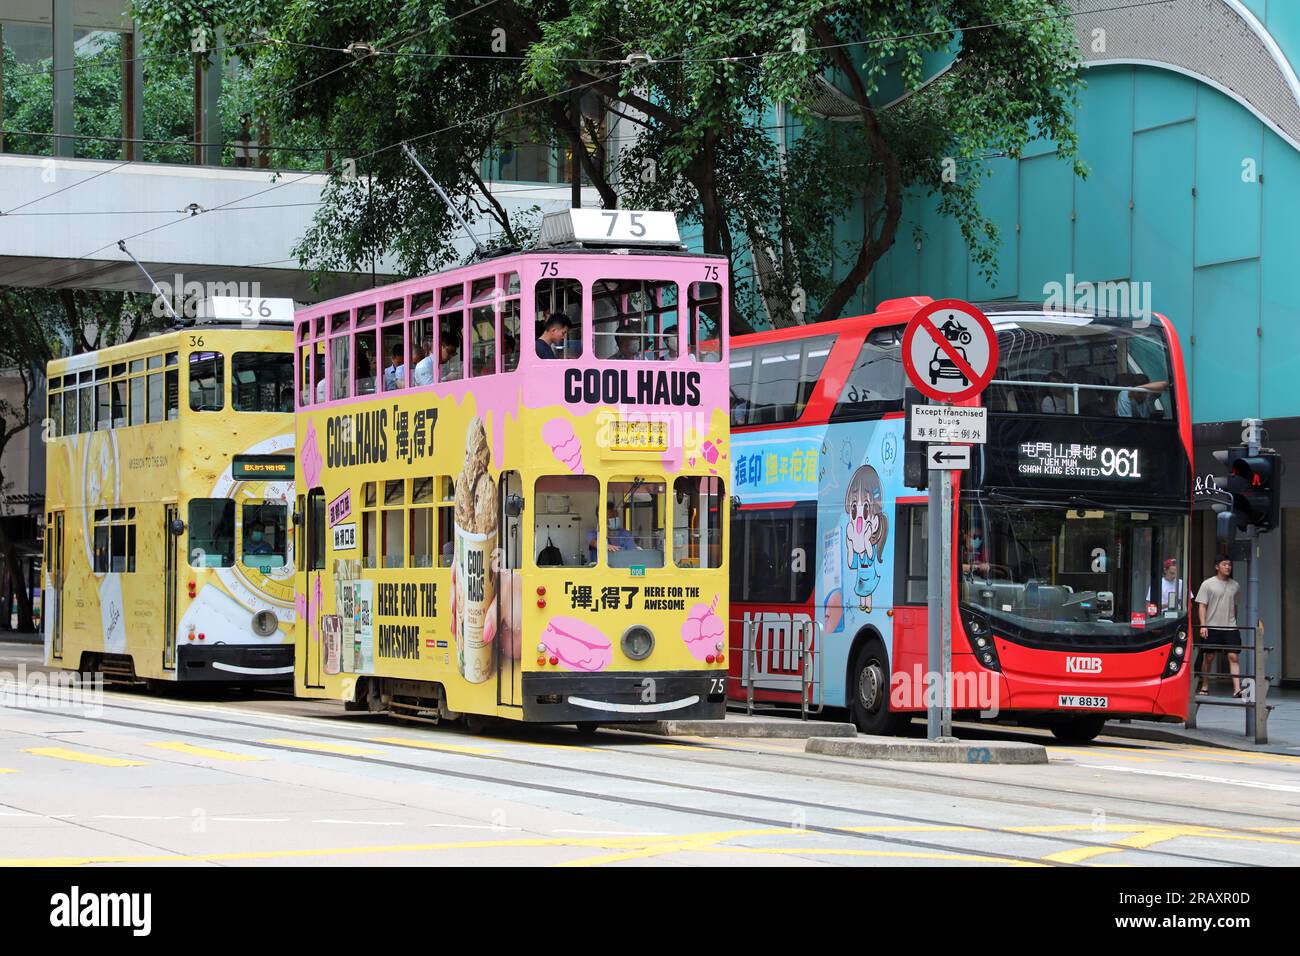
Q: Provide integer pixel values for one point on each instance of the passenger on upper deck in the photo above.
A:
(421, 366)
(451, 366)
(629, 345)
(395, 371)
(320, 378)
(1138, 399)
(1057, 400)
(553, 335)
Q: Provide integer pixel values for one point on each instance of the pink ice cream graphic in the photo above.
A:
(576, 644)
(311, 459)
(565, 446)
(703, 630)
(710, 452)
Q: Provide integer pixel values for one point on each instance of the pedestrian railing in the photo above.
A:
(1254, 682)
(786, 660)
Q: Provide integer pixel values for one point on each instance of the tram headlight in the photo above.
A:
(265, 623)
(638, 642)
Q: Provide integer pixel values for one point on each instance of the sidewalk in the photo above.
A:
(1225, 726)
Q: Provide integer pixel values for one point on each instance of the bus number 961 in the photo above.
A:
(1120, 463)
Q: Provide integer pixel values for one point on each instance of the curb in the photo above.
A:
(1220, 740)
(742, 727)
(930, 751)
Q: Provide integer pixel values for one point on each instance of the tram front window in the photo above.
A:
(265, 538)
(1061, 571)
(212, 533)
(566, 509)
(261, 381)
(634, 516)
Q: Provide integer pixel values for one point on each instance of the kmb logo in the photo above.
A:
(1082, 665)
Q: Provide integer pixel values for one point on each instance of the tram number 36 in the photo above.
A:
(1120, 463)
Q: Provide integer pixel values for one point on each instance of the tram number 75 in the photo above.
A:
(637, 227)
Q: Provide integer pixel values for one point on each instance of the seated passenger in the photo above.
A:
(1138, 400)
(395, 371)
(421, 366)
(553, 336)
(629, 346)
(1057, 400)
(255, 542)
(320, 378)
(451, 366)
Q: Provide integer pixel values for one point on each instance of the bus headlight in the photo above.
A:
(265, 623)
(638, 642)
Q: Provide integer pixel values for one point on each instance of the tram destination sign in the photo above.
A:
(950, 423)
(1045, 459)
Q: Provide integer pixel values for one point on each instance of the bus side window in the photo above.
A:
(562, 296)
(787, 373)
(875, 386)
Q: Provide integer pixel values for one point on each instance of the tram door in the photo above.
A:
(312, 646)
(509, 591)
(54, 561)
(171, 542)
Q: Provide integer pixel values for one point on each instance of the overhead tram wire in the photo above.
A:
(602, 79)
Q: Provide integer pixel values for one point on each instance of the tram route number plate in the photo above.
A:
(1078, 701)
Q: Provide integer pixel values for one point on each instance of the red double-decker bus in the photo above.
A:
(1070, 535)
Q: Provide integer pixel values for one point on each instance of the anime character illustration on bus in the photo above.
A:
(866, 532)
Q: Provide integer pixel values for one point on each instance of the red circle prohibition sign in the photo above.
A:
(950, 362)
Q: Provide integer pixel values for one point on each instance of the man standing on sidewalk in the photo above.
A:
(1217, 604)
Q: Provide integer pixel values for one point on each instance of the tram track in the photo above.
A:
(1058, 840)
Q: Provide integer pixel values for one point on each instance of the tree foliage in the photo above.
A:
(803, 211)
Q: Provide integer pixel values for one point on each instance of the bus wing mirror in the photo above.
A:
(735, 502)
(514, 506)
(177, 527)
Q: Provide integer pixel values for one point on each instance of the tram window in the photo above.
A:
(155, 388)
(101, 550)
(394, 499)
(316, 531)
(632, 319)
(265, 536)
(103, 417)
(369, 526)
(451, 358)
(173, 394)
(634, 522)
(697, 522)
(483, 338)
(446, 522)
(212, 533)
(763, 545)
(87, 403)
(704, 331)
(421, 523)
(137, 405)
(55, 413)
(392, 350)
(117, 400)
(510, 334)
(339, 370)
(313, 375)
(566, 520)
(362, 355)
(70, 412)
(421, 346)
(875, 386)
(207, 381)
(563, 296)
(261, 382)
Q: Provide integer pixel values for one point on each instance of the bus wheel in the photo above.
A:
(1077, 730)
(869, 692)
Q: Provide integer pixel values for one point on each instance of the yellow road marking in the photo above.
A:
(7, 770)
(77, 756)
(427, 745)
(538, 743)
(208, 752)
(322, 746)
(1140, 838)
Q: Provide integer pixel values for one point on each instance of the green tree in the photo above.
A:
(695, 82)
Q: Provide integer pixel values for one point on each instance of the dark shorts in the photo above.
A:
(1223, 635)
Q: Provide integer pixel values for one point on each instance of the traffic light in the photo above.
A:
(1254, 481)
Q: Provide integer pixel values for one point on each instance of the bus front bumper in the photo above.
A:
(234, 662)
(628, 697)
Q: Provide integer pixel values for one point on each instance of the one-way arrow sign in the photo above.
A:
(948, 457)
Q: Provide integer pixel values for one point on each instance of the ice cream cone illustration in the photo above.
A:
(703, 630)
(476, 541)
(565, 445)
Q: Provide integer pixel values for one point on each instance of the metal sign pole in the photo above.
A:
(945, 610)
(934, 607)
(1252, 436)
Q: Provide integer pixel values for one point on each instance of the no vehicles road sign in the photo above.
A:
(950, 350)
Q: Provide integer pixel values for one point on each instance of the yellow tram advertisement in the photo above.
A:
(511, 478)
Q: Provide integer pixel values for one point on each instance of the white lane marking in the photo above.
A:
(470, 826)
(1201, 777)
(634, 708)
(127, 816)
(240, 669)
(617, 833)
(366, 823)
(249, 819)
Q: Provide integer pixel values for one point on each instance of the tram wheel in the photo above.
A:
(476, 723)
(1077, 730)
(587, 728)
(869, 692)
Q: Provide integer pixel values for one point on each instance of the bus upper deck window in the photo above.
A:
(212, 533)
(634, 523)
(635, 319)
(207, 381)
(261, 382)
(558, 297)
(704, 331)
(265, 536)
(566, 515)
